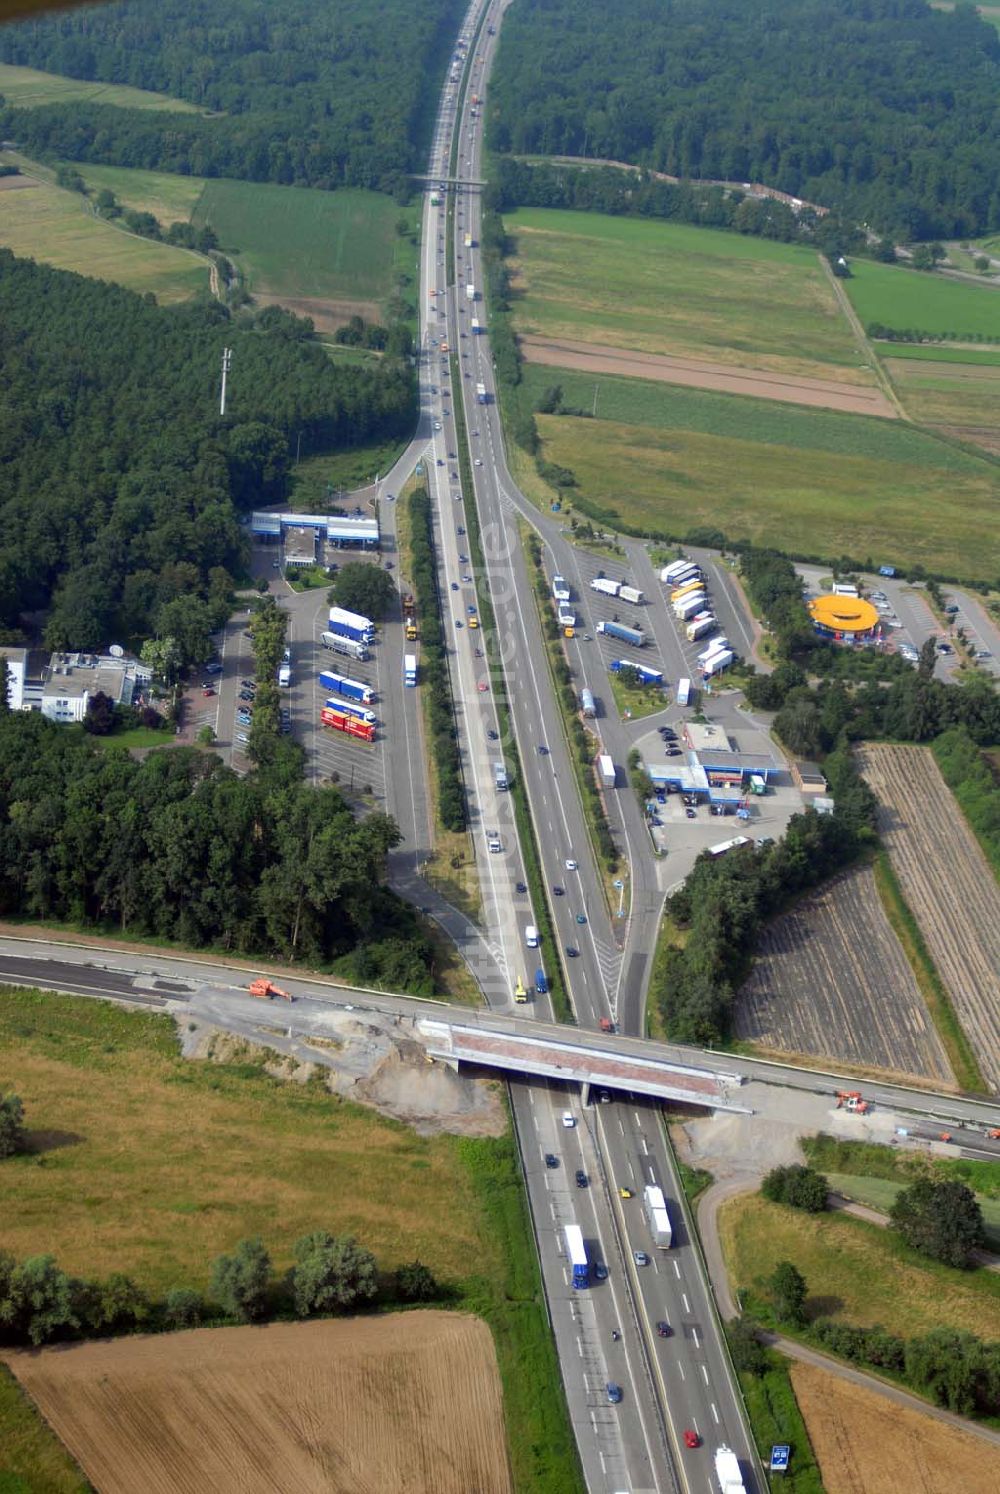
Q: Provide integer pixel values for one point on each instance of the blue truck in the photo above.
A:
(635, 636)
(576, 1254)
(339, 684)
(541, 982)
(351, 625)
(646, 675)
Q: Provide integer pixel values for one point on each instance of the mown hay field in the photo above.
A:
(964, 398)
(916, 300)
(45, 223)
(831, 980)
(28, 88)
(861, 1441)
(948, 884)
(409, 1402)
(671, 288)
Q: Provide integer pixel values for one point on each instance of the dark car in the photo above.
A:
(543, 751)
(581, 1178)
(249, 684)
(692, 814)
(581, 918)
(663, 1329)
(600, 1271)
(558, 890)
(493, 735)
(459, 530)
(572, 952)
(522, 887)
(551, 1160)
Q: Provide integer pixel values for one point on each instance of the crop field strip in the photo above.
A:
(964, 398)
(948, 885)
(28, 88)
(906, 299)
(830, 979)
(669, 288)
(861, 1441)
(365, 1404)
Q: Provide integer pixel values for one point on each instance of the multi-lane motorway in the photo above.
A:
(607, 1334)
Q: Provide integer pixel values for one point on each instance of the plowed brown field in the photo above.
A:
(409, 1403)
(831, 980)
(948, 884)
(865, 1444)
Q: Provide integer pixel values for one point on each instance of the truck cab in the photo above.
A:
(520, 994)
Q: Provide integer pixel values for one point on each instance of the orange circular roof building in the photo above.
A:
(835, 614)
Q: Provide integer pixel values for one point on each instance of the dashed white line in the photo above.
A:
(677, 1271)
(715, 1413)
(697, 1340)
(687, 1305)
(704, 1374)
(681, 1369)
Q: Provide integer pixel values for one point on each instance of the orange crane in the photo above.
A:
(264, 989)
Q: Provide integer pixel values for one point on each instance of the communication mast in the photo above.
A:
(227, 358)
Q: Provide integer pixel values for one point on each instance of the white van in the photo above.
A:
(531, 936)
(285, 675)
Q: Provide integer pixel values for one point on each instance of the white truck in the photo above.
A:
(606, 768)
(605, 587)
(689, 607)
(717, 663)
(657, 1217)
(699, 625)
(632, 595)
(470, 291)
(727, 1472)
(560, 589)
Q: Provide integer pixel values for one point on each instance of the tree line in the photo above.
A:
(293, 91)
(886, 109)
(434, 663)
(121, 488)
(178, 847)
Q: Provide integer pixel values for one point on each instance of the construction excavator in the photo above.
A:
(850, 1099)
(264, 989)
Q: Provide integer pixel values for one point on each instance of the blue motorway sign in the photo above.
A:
(779, 1457)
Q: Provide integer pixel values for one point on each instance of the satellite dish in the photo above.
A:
(116, 651)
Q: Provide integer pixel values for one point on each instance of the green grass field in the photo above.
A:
(880, 1193)
(948, 394)
(300, 242)
(32, 1459)
(170, 198)
(813, 482)
(857, 1272)
(907, 299)
(24, 88)
(345, 470)
(670, 288)
(45, 223)
(932, 352)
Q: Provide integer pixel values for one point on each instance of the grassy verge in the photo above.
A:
(319, 482)
(694, 1181)
(31, 1456)
(956, 1045)
(561, 1006)
(138, 736)
(880, 1194)
(774, 1418)
(635, 701)
(542, 1450)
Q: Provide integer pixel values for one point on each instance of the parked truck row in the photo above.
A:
(688, 591)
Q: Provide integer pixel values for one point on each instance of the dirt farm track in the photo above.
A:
(948, 884)
(409, 1402)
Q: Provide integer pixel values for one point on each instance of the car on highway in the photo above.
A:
(581, 918)
(459, 623)
(570, 864)
(640, 1257)
(479, 461)
(454, 586)
(482, 687)
(551, 1160)
(691, 1439)
(581, 1178)
(437, 425)
(522, 886)
(543, 751)
(493, 735)
(600, 1271)
(463, 560)
(614, 1393)
(625, 1193)
(663, 1328)
(467, 580)
(459, 530)
(571, 952)
(558, 890)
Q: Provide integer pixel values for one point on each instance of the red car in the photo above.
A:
(483, 687)
(208, 690)
(691, 1439)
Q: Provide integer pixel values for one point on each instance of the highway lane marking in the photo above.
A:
(704, 1374)
(715, 1413)
(637, 1120)
(677, 1271)
(579, 1345)
(681, 1369)
(697, 1340)
(687, 1305)
(621, 1125)
(645, 1148)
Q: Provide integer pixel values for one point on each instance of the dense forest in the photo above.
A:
(120, 486)
(178, 846)
(319, 93)
(885, 108)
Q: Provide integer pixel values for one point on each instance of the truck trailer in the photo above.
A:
(657, 1217)
(560, 589)
(645, 675)
(717, 663)
(700, 624)
(481, 396)
(476, 326)
(409, 669)
(607, 770)
(687, 588)
(351, 625)
(727, 1472)
(669, 574)
(467, 241)
(625, 635)
(605, 587)
(470, 291)
(715, 647)
(500, 779)
(588, 704)
(576, 1254)
(348, 646)
(683, 693)
(352, 708)
(341, 721)
(338, 684)
(690, 606)
(632, 595)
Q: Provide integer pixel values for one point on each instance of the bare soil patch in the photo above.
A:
(832, 981)
(694, 373)
(409, 1402)
(948, 884)
(326, 316)
(861, 1442)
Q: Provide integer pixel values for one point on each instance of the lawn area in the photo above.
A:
(880, 1193)
(937, 352)
(301, 242)
(342, 472)
(31, 1456)
(26, 88)
(666, 460)
(139, 736)
(170, 198)
(56, 227)
(670, 288)
(151, 1164)
(637, 700)
(907, 299)
(947, 393)
(856, 1272)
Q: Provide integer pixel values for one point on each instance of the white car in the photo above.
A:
(571, 865)
(479, 461)
(437, 425)
(568, 1119)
